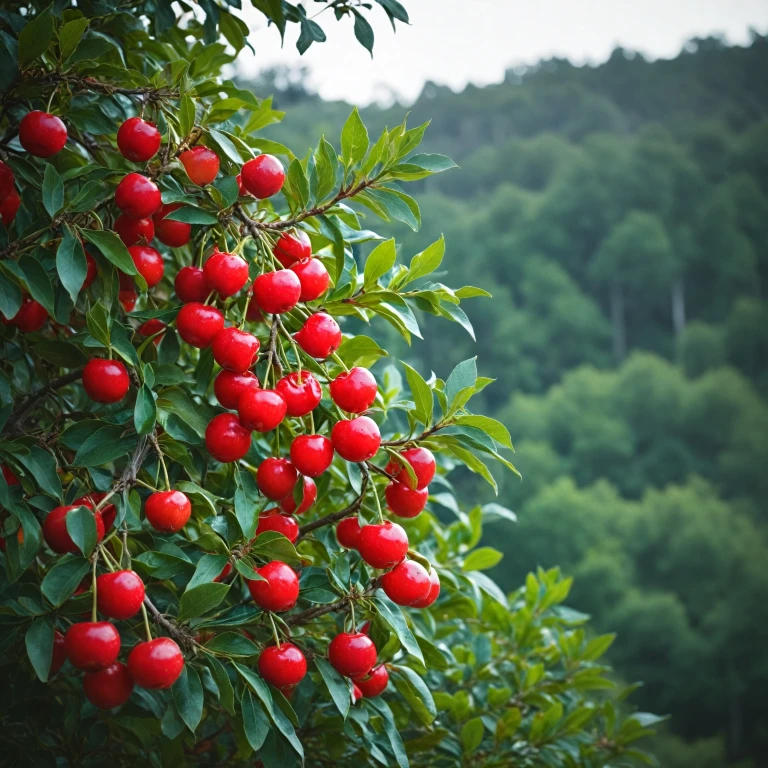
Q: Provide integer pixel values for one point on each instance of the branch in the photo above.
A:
(78, 83)
(19, 416)
(423, 436)
(339, 605)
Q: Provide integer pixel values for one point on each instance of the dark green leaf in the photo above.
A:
(255, 722)
(35, 37)
(81, 526)
(201, 599)
(70, 264)
(42, 466)
(113, 249)
(53, 190)
(63, 579)
(145, 411)
(336, 684)
(232, 644)
(39, 642)
(188, 697)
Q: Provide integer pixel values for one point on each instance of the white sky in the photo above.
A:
(454, 42)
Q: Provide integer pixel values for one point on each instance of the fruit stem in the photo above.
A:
(108, 559)
(378, 503)
(146, 622)
(352, 615)
(275, 633)
(311, 423)
(336, 359)
(94, 614)
(159, 452)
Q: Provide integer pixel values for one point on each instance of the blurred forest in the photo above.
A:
(619, 216)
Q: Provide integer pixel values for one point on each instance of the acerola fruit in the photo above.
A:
(313, 277)
(9, 476)
(105, 381)
(7, 180)
(168, 511)
(433, 594)
(42, 134)
(138, 140)
(235, 350)
(282, 666)
(383, 545)
(151, 327)
(156, 664)
(138, 197)
(261, 409)
(119, 595)
(133, 231)
(375, 683)
(354, 391)
(280, 591)
(92, 645)
(108, 512)
(198, 324)
(128, 299)
(406, 583)
(228, 386)
(59, 653)
(174, 234)
(277, 292)
(55, 530)
(301, 392)
(31, 316)
(274, 520)
(225, 273)
(352, 655)
(201, 164)
(320, 336)
(405, 501)
(263, 176)
(226, 439)
(348, 532)
(190, 285)
(357, 694)
(276, 478)
(9, 208)
(110, 687)
(423, 463)
(241, 190)
(292, 247)
(356, 439)
(91, 269)
(309, 497)
(225, 571)
(311, 454)
(149, 263)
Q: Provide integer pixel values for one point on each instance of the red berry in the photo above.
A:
(354, 391)
(225, 571)
(128, 299)
(110, 687)
(228, 386)
(235, 350)
(119, 595)
(105, 381)
(55, 529)
(152, 327)
(407, 583)
(301, 394)
(241, 190)
(313, 277)
(31, 316)
(405, 501)
(348, 532)
(311, 454)
(7, 180)
(168, 511)
(375, 683)
(280, 591)
(9, 476)
(320, 336)
(42, 134)
(292, 247)
(138, 140)
(263, 176)
(274, 520)
(432, 595)
(132, 231)
(357, 694)
(356, 439)
(288, 504)
(9, 208)
(352, 655)
(383, 545)
(201, 164)
(226, 439)
(190, 285)
(276, 478)
(198, 324)
(149, 263)
(91, 270)
(156, 664)
(277, 292)
(92, 645)
(423, 463)
(261, 409)
(226, 273)
(282, 666)
(174, 234)
(138, 197)
(252, 312)
(108, 512)
(59, 653)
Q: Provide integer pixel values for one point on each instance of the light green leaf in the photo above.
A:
(70, 35)
(380, 260)
(336, 684)
(201, 599)
(354, 139)
(112, 247)
(422, 395)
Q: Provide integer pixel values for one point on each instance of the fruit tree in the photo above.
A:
(225, 539)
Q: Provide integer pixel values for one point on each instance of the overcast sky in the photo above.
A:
(454, 42)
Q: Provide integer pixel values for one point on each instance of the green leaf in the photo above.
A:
(255, 722)
(246, 502)
(380, 260)
(103, 446)
(481, 559)
(426, 262)
(39, 642)
(53, 190)
(112, 247)
(35, 37)
(232, 644)
(495, 429)
(224, 684)
(70, 264)
(432, 162)
(336, 684)
(38, 282)
(10, 297)
(422, 395)
(227, 147)
(191, 215)
(472, 734)
(398, 206)
(474, 464)
(597, 647)
(464, 375)
(188, 697)
(70, 35)
(298, 183)
(63, 579)
(99, 324)
(201, 599)
(81, 526)
(61, 353)
(390, 728)
(363, 31)
(42, 466)
(360, 351)
(394, 617)
(415, 691)
(186, 114)
(145, 411)
(208, 568)
(354, 139)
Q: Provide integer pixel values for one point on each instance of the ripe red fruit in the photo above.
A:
(174, 234)
(311, 454)
(201, 164)
(277, 292)
(288, 504)
(313, 277)
(110, 687)
(276, 478)
(406, 583)
(108, 512)
(292, 247)
(274, 520)
(283, 665)
(92, 645)
(7, 180)
(149, 263)
(119, 595)
(55, 529)
(354, 391)
(198, 324)
(423, 463)
(352, 655)
(357, 694)
(280, 591)
(405, 501)
(10, 207)
(42, 134)
(138, 140)
(261, 409)
(235, 350)
(168, 511)
(301, 395)
(59, 653)
(356, 439)
(91, 269)
(226, 439)
(383, 545)
(348, 532)
(31, 316)
(226, 273)
(241, 190)
(263, 176)
(228, 386)
(105, 381)
(152, 327)
(432, 595)
(375, 683)
(190, 285)
(128, 299)
(132, 231)
(138, 197)
(320, 336)
(225, 571)
(156, 664)
(9, 476)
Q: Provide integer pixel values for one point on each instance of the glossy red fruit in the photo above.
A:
(383, 545)
(357, 694)
(105, 381)
(226, 439)
(276, 478)
(149, 263)
(59, 653)
(174, 234)
(7, 180)
(261, 409)
(9, 208)
(55, 529)
(156, 664)
(375, 683)
(91, 270)
(198, 324)
(356, 439)
(241, 190)
(133, 231)
(405, 501)
(190, 285)
(423, 462)
(263, 176)
(311, 454)
(225, 273)
(252, 312)
(31, 316)
(42, 134)
(292, 247)
(274, 520)
(108, 512)
(128, 299)
(406, 583)
(277, 292)
(348, 532)
(282, 666)
(352, 655)
(280, 591)
(313, 277)
(225, 571)
(301, 394)
(228, 386)
(201, 164)
(288, 504)
(138, 140)
(119, 595)
(320, 336)
(92, 645)
(354, 391)
(235, 350)
(432, 595)
(152, 327)
(110, 687)
(168, 511)
(9, 477)
(138, 197)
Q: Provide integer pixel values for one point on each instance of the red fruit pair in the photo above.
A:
(283, 666)
(228, 386)
(348, 532)
(31, 316)
(311, 454)
(92, 645)
(149, 263)
(292, 247)
(138, 140)
(261, 409)
(374, 684)
(225, 437)
(301, 392)
(201, 164)
(90, 500)
(225, 273)
(277, 292)
(156, 664)
(280, 590)
(235, 350)
(105, 381)
(133, 231)
(423, 463)
(407, 583)
(354, 391)
(275, 520)
(356, 439)
(151, 327)
(263, 176)
(55, 530)
(382, 545)
(313, 278)
(119, 595)
(168, 511)
(42, 134)
(110, 687)
(320, 336)
(352, 655)
(198, 324)
(190, 285)
(137, 196)
(174, 234)
(288, 504)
